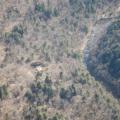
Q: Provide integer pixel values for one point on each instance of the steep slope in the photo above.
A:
(105, 58)
(42, 74)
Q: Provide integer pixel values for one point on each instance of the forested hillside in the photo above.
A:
(54, 55)
(105, 59)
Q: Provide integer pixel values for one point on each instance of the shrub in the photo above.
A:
(85, 29)
(82, 80)
(41, 116)
(45, 13)
(15, 35)
(47, 90)
(68, 93)
(57, 117)
(55, 12)
(40, 7)
(40, 91)
(63, 93)
(12, 13)
(3, 92)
